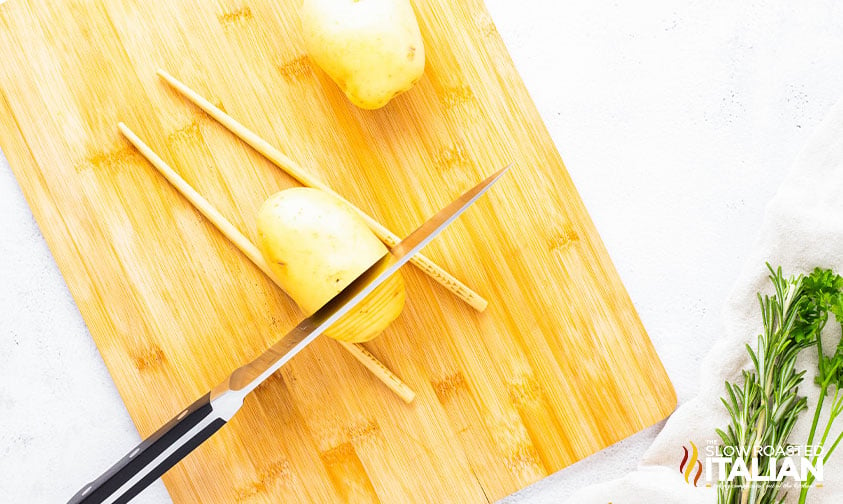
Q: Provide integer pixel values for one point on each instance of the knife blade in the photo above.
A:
(173, 441)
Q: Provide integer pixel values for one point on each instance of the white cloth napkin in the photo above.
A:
(802, 228)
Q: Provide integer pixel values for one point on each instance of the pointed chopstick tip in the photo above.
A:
(172, 81)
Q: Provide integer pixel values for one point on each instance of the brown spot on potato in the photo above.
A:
(411, 53)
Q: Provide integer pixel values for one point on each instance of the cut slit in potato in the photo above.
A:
(316, 247)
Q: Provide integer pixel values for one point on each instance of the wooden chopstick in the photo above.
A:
(294, 170)
(251, 251)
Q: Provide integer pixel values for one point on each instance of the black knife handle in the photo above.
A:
(146, 462)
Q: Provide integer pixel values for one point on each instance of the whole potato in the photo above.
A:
(371, 48)
(316, 246)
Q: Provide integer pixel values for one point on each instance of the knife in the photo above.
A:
(199, 421)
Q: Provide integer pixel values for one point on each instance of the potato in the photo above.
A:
(371, 48)
(316, 246)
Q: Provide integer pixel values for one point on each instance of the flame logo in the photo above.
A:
(689, 462)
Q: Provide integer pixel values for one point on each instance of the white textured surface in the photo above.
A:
(676, 119)
(802, 229)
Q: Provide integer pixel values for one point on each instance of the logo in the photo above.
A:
(690, 461)
(733, 466)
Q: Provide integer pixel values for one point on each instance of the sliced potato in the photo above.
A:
(317, 246)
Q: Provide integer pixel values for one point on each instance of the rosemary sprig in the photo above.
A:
(765, 407)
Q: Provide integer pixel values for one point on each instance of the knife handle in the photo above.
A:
(154, 455)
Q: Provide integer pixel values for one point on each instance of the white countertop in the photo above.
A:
(676, 119)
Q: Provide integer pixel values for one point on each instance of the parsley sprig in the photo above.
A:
(824, 294)
(765, 407)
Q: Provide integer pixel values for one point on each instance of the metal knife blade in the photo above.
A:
(172, 442)
(248, 377)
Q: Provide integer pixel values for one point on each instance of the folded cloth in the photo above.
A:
(802, 229)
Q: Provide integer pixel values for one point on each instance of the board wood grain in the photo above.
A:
(558, 367)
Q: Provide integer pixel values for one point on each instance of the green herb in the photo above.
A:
(824, 294)
(764, 409)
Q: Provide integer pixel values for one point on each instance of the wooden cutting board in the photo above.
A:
(558, 367)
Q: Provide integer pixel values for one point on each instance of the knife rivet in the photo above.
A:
(134, 452)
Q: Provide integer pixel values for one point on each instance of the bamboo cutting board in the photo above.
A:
(557, 367)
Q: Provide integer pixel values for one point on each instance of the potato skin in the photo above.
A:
(316, 246)
(372, 49)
